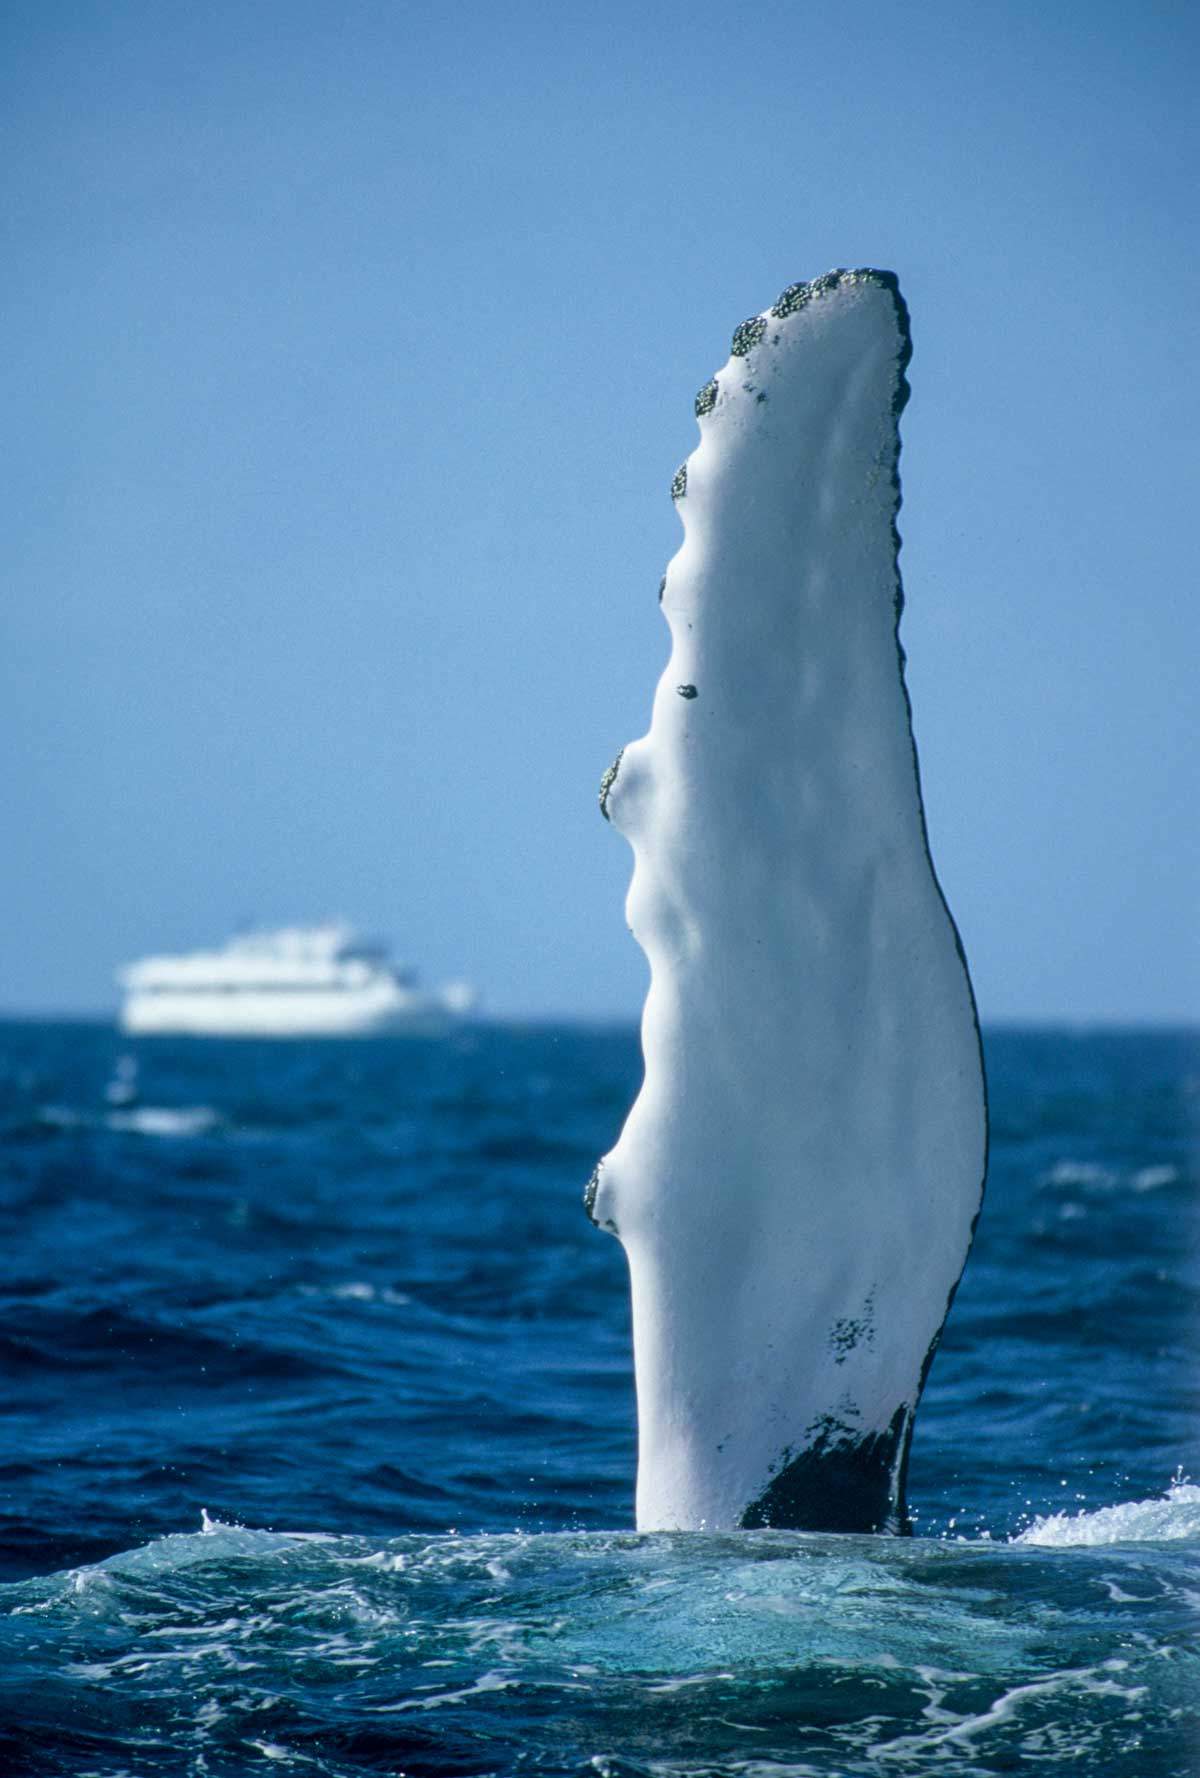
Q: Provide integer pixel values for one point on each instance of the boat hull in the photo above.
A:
(291, 1015)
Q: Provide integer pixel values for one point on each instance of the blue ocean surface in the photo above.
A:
(319, 1436)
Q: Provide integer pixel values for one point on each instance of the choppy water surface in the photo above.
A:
(319, 1436)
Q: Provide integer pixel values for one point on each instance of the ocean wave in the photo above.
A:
(39, 1337)
(600, 1651)
(216, 1315)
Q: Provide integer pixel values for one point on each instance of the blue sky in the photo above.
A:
(350, 351)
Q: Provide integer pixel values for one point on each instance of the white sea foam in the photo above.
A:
(1087, 1176)
(164, 1120)
(211, 1527)
(494, 1681)
(1025, 1714)
(1176, 1515)
(142, 1120)
(358, 1291)
(1084, 1173)
(1149, 1179)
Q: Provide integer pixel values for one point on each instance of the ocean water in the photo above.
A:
(318, 1436)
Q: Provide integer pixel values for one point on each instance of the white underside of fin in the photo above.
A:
(796, 1185)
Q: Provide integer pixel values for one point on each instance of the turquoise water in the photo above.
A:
(319, 1436)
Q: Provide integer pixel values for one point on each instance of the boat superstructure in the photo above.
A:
(295, 981)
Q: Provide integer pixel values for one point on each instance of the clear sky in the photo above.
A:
(349, 351)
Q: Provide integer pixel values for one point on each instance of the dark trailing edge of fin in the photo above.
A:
(840, 1484)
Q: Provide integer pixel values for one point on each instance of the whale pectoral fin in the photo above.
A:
(797, 1183)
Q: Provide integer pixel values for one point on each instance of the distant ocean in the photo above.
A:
(319, 1436)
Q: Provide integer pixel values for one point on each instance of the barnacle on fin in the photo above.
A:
(793, 298)
(747, 336)
(679, 485)
(796, 296)
(589, 1202)
(607, 782)
(706, 400)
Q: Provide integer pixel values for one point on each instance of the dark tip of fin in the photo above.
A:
(840, 1483)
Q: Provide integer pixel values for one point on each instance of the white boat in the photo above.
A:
(296, 981)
